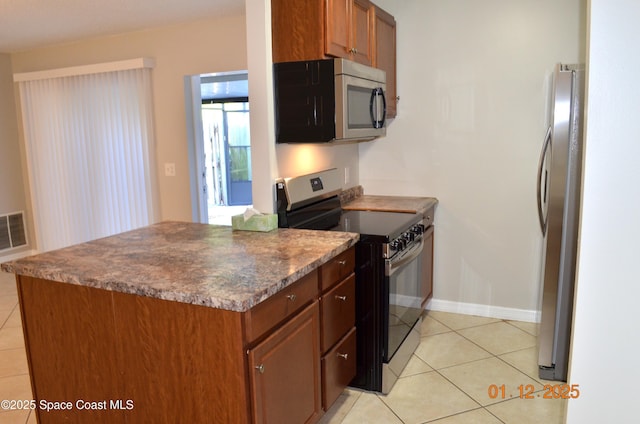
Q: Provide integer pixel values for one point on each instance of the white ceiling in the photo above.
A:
(27, 24)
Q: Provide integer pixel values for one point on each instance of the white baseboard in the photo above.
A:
(488, 311)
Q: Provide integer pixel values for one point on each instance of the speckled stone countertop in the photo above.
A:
(391, 204)
(192, 263)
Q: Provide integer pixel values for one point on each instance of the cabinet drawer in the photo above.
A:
(274, 310)
(338, 369)
(337, 268)
(337, 312)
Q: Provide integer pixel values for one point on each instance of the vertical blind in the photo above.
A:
(89, 145)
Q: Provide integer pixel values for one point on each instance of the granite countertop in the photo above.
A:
(192, 263)
(391, 204)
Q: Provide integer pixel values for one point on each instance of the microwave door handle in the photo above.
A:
(373, 104)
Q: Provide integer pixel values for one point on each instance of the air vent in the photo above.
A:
(12, 231)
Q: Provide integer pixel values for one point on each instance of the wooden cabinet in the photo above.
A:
(167, 361)
(349, 30)
(297, 30)
(338, 332)
(338, 368)
(300, 361)
(179, 362)
(317, 29)
(353, 29)
(426, 288)
(268, 314)
(338, 312)
(285, 372)
(337, 269)
(384, 54)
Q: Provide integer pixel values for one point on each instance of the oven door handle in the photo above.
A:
(391, 266)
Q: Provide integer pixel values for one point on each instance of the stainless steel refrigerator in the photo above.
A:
(559, 181)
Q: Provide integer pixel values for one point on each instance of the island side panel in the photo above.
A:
(160, 361)
(181, 362)
(69, 337)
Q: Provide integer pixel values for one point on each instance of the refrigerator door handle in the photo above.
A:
(542, 196)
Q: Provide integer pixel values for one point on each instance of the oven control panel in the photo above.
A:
(404, 241)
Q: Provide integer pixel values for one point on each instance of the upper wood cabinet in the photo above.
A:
(349, 30)
(297, 30)
(352, 29)
(384, 54)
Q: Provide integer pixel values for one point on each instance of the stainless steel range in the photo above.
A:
(388, 272)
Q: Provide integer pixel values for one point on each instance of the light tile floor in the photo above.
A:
(14, 372)
(448, 378)
(446, 381)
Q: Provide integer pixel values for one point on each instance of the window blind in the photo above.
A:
(89, 144)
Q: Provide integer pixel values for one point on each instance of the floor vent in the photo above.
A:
(12, 231)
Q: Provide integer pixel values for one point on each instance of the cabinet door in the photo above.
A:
(362, 31)
(338, 28)
(427, 266)
(284, 372)
(349, 30)
(385, 55)
(296, 29)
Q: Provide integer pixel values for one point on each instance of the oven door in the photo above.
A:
(402, 277)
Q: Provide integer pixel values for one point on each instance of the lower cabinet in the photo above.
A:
(427, 267)
(338, 368)
(338, 332)
(426, 288)
(301, 345)
(284, 371)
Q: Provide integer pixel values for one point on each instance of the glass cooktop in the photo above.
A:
(371, 223)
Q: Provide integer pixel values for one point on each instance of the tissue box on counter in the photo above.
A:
(266, 222)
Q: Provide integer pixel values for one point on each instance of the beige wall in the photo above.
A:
(12, 197)
(472, 79)
(473, 82)
(11, 187)
(294, 160)
(212, 45)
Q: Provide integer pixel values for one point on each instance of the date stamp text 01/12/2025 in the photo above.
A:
(527, 391)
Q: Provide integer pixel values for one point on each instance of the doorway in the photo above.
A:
(220, 156)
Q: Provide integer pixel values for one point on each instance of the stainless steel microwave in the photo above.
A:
(328, 100)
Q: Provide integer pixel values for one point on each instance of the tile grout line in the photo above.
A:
(477, 360)
(459, 388)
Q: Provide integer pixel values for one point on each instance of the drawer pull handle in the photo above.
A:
(342, 355)
(343, 298)
(342, 262)
(292, 297)
(260, 368)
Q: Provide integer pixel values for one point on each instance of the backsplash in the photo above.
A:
(350, 194)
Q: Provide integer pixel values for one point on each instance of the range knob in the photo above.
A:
(418, 229)
(398, 244)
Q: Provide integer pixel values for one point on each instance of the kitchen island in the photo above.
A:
(184, 322)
